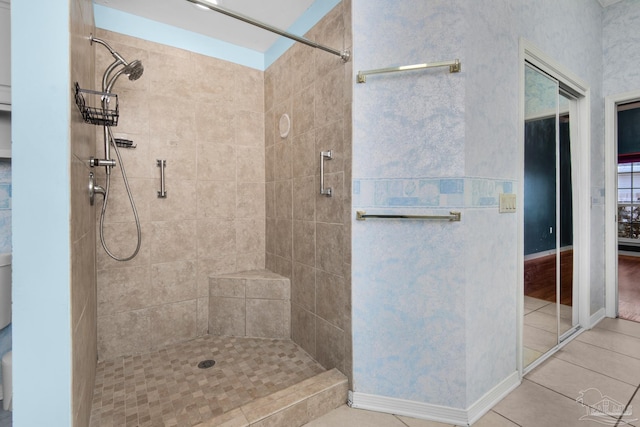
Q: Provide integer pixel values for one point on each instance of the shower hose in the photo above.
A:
(106, 200)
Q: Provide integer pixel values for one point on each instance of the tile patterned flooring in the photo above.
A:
(166, 388)
(603, 363)
(540, 328)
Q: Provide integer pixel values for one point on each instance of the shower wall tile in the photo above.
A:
(202, 320)
(331, 299)
(180, 156)
(303, 62)
(303, 287)
(283, 199)
(173, 282)
(171, 74)
(173, 240)
(214, 123)
(329, 209)
(227, 316)
(250, 236)
(219, 200)
(306, 155)
(215, 234)
(269, 82)
(249, 127)
(304, 198)
(134, 113)
(329, 247)
(172, 121)
(250, 261)
(119, 206)
(280, 134)
(270, 199)
(303, 111)
(250, 200)
(282, 161)
(180, 203)
(270, 163)
(205, 117)
(82, 145)
(317, 102)
(206, 267)
(121, 239)
(331, 137)
(123, 333)
(331, 32)
(138, 162)
(215, 162)
(249, 95)
(283, 238)
(213, 79)
(266, 318)
(329, 98)
(303, 328)
(331, 354)
(270, 129)
(304, 242)
(172, 323)
(282, 72)
(250, 164)
(123, 289)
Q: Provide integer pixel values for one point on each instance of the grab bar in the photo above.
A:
(453, 216)
(454, 67)
(324, 155)
(163, 192)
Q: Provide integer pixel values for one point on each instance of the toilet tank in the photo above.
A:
(5, 290)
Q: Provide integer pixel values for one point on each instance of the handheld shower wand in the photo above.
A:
(133, 70)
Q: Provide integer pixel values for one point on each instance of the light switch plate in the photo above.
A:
(507, 203)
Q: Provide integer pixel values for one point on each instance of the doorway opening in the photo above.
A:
(622, 141)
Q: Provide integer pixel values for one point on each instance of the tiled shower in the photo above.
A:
(239, 195)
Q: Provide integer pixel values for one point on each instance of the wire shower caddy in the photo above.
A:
(97, 108)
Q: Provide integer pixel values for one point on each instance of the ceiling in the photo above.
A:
(186, 15)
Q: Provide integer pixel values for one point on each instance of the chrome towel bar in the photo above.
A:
(453, 216)
(454, 67)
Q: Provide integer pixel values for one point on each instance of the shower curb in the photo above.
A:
(294, 406)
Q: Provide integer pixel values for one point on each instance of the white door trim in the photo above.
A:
(611, 199)
(582, 193)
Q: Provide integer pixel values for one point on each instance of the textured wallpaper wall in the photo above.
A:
(434, 303)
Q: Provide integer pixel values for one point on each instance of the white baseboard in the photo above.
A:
(596, 317)
(426, 411)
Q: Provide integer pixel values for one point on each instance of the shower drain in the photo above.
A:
(205, 364)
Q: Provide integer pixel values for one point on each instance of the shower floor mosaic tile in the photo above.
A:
(166, 387)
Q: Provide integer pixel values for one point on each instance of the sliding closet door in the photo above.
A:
(541, 215)
(567, 310)
(550, 293)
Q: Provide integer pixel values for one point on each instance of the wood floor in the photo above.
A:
(540, 277)
(629, 287)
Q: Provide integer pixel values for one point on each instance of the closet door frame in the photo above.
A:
(581, 162)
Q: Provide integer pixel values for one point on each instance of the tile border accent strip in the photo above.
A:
(429, 192)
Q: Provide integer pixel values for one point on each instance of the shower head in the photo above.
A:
(134, 69)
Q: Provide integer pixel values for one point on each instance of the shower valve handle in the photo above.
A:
(101, 162)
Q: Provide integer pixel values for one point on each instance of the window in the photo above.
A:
(629, 200)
